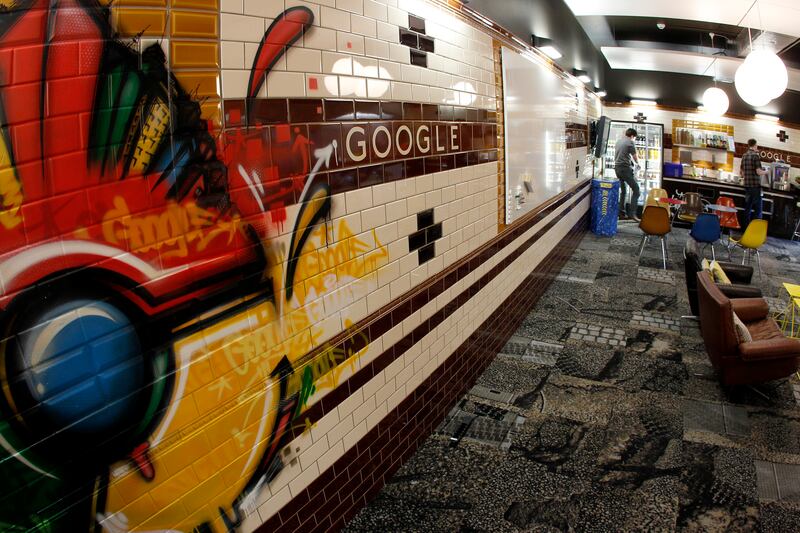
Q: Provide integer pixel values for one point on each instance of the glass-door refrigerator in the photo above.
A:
(649, 148)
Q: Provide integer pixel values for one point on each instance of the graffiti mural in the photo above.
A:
(160, 282)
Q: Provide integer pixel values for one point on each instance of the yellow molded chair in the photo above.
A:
(751, 240)
(692, 208)
(655, 223)
(654, 195)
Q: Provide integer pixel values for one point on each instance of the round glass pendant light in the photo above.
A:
(771, 71)
(751, 85)
(715, 101)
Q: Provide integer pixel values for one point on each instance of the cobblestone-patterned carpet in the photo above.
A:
(603, 413)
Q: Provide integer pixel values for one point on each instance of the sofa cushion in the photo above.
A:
(765, 329)
(741, 330)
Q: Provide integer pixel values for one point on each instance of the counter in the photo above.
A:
(779, 207)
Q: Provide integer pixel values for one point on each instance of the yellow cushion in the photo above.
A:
(719, 274)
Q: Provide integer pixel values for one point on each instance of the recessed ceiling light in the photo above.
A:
(771, 118)
(661, 25)
(637, 101)
(600, 92)
(546, 46)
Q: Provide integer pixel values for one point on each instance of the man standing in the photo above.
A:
(624, 159)
(751, 173)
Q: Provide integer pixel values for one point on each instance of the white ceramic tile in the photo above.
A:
(365, 67)
(303, 60)
(263, 8)
(376, 48)
(350, 43)
(399, 53)
(335, 19)
(250, 51)
(335, 63)
(241, 28)
(350, 87)
(353, 6)
(363, 26)
(234, 83)
(375, 10)
(286, 84)
(401, 91)
(420, 93)
(390, 71)
(231, 6)
(320, 38)
(378, 89)
(388, 32)
(321, 85)
(398, 17)
(374, 217)
(232, 55)
(411, 73)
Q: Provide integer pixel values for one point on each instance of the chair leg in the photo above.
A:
(758, 260)
(641, 245)
(713, 253)
(664, 251)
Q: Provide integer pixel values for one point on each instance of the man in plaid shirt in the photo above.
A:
(752, 172)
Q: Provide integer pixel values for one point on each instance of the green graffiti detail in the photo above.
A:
(307, 389)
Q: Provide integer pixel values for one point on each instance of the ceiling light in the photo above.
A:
(637, 101)
(581, 75)
(661, 25)
(715, 101)
(751, 86)
(546, 46)
(600, 92)
(771, 118)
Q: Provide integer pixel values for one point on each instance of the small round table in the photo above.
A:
(722, 208)
(674, 202)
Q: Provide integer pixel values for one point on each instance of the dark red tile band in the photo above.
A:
(384, 319)
(355, 479)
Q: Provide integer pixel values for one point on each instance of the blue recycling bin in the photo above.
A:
(605, 204)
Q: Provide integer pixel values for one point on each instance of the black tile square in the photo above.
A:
(427, 253)
(339, 110)
(391, 111)
(394, 171)
(343, 180)
(419, 59)
(370, 175)
(412, 111)
(305, 110)
(416, 240)
(416, 23)
(367, 110)
(425, 219)
(433, 233)
(415, 167)
(430, 112)
(409, 38)
(425, 44)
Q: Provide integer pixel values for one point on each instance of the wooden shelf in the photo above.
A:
(703, 148)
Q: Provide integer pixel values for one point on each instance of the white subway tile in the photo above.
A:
(376, 48)
(232, 6)
(335, 63)
(320, 38)
(303, 60)
(352, 87)
(350, 43)
(375, 10)
(388, 32)
(321, 85)
(397, 17)
(241, 28)
(232, 55)
(353, 6)
(335, 19)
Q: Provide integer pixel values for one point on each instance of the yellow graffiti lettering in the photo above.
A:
(176, 231)
(10, 190)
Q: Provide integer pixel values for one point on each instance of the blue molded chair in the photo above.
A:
(706, 230)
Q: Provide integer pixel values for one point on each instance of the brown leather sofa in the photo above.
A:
(769, 356)
(740, 276)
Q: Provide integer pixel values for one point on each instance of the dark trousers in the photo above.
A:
(752, 201)
(625, 176)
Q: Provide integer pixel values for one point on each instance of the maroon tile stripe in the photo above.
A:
(374, 326)
(355, 479)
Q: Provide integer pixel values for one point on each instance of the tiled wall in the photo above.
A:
(242, 237)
